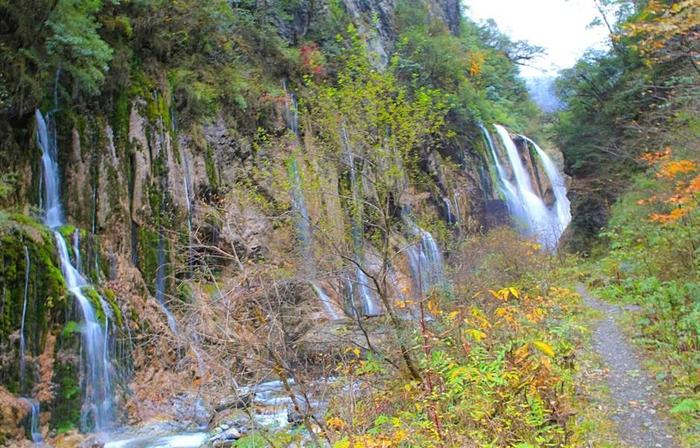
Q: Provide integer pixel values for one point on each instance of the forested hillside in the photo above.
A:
(341, 223)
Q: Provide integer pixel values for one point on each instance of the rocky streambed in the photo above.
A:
(268, 407)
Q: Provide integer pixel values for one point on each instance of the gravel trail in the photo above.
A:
(635, 396)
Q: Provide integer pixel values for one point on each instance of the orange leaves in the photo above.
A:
(476, 61)
(662, 25)
(681, 196)
(673, 216)
(654, 157)
(694, 185)
(677, 167)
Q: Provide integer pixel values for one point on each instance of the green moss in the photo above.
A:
(210, 166)
(45, 292)
(120, 118)
(94, 297)
(66, 406)
(111, 298)
(148, 258)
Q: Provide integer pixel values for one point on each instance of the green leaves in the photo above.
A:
(76, 45)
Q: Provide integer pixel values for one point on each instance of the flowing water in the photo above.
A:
(97, 412)
(76, 249)
(527, 207)
(424, 258)
(160, 283)
(363, 286)
(22, 336)
(34, 430)
(562, 204)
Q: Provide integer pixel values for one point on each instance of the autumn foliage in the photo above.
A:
(681, 196)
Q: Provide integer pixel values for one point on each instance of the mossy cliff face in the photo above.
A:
(36, 291)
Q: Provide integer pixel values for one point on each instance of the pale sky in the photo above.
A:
(560, 26)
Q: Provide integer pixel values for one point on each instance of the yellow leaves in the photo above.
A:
(505, 293)
(694, 185)
(544, 348)
(660, 25)
(475, 334)
(434, 307)
(480, 318)
(460, 372)
(536, 315)
(335, 423)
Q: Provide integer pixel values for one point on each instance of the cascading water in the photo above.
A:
(509, 191)
(22, 337)
(34, 430)
(97, 412)
(76, 249)
(424, 258)
(538, 216)
(528, 208)
(160, 283)
(562, 204)
(363, 285)
(304, 219)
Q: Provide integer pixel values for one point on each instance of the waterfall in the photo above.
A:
(562, 204)
(363, 284)
(97, 412)
(526, 206)
(304, 219)
(160, 283)
(424, 258)
(46, 136)
(328, 306)
(76, 249)
(188, 203)
(22, 337)
(506, 186)
(34, 430)
(299, 206)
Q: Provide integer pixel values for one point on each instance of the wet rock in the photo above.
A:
(192, 411)
(13, 413)
(92, 442)
(226, 437)
(68, 440)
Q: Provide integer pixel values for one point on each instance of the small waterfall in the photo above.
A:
(188, 203)
(363, 287)
(160, 283)
(76, 249)
(304, 229)
(448, 211)
(299, 206)
(528, 208)
(97, 412)
(328, 306)
(34, 430)
(22, 336)
(424, 258)
(46, 136)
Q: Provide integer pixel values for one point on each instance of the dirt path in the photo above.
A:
(635, 397)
